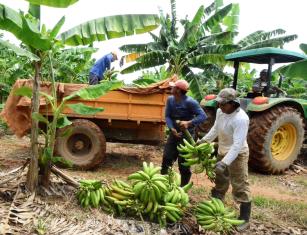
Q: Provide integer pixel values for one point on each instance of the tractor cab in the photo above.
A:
(269, 56)
(277, 125)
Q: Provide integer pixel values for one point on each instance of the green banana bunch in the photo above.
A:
(200, 157)
(214, 216)
(119, 196)
(172, 212)
(177, 196)
(174, 178)
(161, 196)
(149, 186)
(90, 193)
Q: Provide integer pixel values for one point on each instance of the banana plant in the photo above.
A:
(295, 83)
(38, 41)
(202, 43)
(297, 69)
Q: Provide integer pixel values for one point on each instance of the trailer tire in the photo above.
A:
(84, 146)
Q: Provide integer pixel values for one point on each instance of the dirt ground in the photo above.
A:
(279, 202)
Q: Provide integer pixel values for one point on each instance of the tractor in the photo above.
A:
(277, 124)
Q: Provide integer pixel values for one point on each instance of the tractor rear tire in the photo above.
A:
(84, 146)
(275, 139)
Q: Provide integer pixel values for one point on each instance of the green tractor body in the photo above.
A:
(277, 125)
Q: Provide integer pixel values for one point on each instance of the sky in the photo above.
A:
(254, 15)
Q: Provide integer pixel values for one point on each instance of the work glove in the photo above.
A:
(220, 168)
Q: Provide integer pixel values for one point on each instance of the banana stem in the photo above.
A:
(187, 135)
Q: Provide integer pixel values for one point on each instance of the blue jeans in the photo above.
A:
(94, 79)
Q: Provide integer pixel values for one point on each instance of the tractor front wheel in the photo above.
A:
(275, 139)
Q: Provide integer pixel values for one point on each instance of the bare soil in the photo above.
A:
(123, 159)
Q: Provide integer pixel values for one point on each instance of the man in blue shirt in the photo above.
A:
(181, 107)
(101, 65)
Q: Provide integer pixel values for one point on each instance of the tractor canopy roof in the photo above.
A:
(263, 56)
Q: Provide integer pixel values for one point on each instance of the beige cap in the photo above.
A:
(226, 95)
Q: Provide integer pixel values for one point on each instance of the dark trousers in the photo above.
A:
(170, 155)
(93, 79)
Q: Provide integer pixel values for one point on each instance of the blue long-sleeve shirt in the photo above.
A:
(185, 110)
(102, 65)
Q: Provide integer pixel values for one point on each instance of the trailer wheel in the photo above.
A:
(84, 146)
(275, 139)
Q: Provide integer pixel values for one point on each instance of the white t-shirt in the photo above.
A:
(231, 130)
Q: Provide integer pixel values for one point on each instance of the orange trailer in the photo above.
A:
(131, 115)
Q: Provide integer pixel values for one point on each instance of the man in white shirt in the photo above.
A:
(231, 127)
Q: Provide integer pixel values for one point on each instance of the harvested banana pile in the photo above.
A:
(200, 157)
(213, 216)
(151, 196)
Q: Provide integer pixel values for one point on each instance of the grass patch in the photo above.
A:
(267, 180)
(285, 210)
(303, 182)
(198, 190)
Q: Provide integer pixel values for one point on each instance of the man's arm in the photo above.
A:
(200, 115)
(196, 110)
(108, 61)
(168, 119)
(239, 137)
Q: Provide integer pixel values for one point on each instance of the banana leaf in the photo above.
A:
(231, 21)
(39, 117)
(221, 49)
(109, 27)
(63, 122)
(223, 37)
(25, 28)
(259, 36)
(56, 29)
(23, 91)
(53, 3)
(148, 60)
(94, 92)
(217, 18)
(273, 42)
(83, 109)
(19, 51)
(303, 47)
(198, 61)
(134, 48)
(294, 70)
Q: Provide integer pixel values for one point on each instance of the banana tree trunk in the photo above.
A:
(32, 177)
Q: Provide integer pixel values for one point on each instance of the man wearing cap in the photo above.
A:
(231, 127)
(101, 65)
(180, 107)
